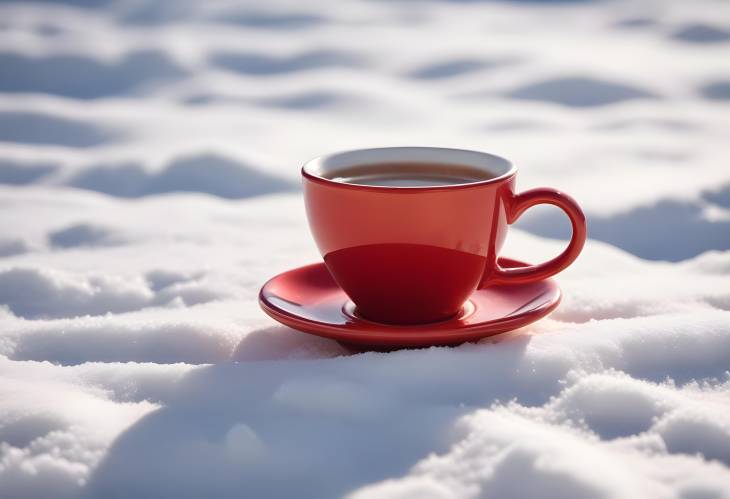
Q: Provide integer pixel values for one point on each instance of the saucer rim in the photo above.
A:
(378, 334)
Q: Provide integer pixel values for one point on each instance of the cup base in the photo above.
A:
(351, 310)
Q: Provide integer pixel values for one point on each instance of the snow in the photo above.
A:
(149, 156)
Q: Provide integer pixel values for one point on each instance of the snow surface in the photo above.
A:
(149, 157)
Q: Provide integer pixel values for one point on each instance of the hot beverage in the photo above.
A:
(410, 174)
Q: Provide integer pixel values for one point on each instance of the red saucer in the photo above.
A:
(308, 299)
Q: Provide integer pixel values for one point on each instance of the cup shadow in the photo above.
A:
(282, 342)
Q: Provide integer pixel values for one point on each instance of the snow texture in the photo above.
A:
(149, 156)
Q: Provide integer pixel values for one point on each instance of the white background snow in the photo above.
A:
(149, 156)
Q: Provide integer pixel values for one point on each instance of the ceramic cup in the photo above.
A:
(413, 255)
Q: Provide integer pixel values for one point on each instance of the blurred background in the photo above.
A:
(623, 104)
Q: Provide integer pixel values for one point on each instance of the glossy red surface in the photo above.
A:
(433, 281)
(309, 300)
(412, 255)
(516, 205)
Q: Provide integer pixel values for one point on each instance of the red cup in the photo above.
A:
(413, 255)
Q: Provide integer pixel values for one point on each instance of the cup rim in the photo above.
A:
(309, 169)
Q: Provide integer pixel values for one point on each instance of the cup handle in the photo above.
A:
(517, 204)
